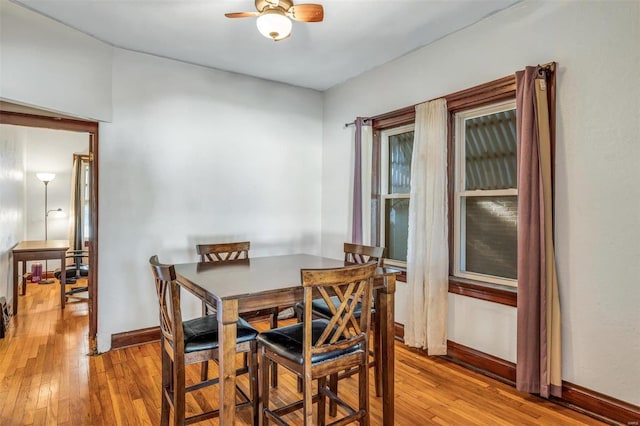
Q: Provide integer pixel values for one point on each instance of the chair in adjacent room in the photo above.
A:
(318, 348)
(354, 254)
(75, 269)
(190, 342)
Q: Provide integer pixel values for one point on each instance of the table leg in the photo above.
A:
(24, 282)
(63, 280)
(15, 285)
(387, 318)
(227, 332)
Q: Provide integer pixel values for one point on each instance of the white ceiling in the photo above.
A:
(356, 35)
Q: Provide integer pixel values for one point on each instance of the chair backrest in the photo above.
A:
(351, 285)
(224, 252)
(168, 293)
(359, 254)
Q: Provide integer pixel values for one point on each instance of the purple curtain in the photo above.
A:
(356, 224)
(538, 342)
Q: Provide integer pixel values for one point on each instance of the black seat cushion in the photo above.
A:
(202, 333)
(287, 342)
(319, 306)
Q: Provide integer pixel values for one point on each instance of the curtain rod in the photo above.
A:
(547, 68)
(365, 120)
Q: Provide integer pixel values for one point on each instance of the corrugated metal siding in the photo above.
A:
(400, 150)
(490, 151)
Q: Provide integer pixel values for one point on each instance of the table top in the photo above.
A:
(35, 245)
(256, 275)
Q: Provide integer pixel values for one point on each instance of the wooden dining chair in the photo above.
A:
(354, 254)
(76, 268)
(317, 348)
(190, 342)
(224, 254)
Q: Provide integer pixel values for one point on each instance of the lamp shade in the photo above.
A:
(46, 177)
(273, 25)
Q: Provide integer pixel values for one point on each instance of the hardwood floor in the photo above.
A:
(47, 378)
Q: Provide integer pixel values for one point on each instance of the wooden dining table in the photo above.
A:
(268, 282)
(37, 250)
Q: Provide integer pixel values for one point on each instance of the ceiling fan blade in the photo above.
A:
(306, 12)
(241, 14)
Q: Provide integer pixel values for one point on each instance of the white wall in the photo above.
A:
(597, 191)
(50, 151)
(196, 155)
(48, 65)
(12, 202)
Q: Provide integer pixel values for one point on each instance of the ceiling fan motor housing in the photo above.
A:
(285, 5)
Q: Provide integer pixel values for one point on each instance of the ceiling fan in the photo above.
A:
(274, 16)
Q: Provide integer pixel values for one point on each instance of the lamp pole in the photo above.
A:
(46, 178)
(46, 212)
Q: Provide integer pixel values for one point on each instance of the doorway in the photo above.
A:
(47, 120)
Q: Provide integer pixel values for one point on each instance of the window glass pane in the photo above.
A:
(490, 151)
(400, 149)
(491, 235)
(396, 218)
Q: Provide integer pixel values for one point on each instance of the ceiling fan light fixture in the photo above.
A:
(274, 25)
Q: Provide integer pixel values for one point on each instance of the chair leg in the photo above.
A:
(264, 400)
(274, 366)
(299, 313)
(333, 386)
(300, 317)
(179, 405)
(253, 383)
(322, 401)
(307, 398)
(166, 383)
(204, 371)
(377, 355)
(363, 389)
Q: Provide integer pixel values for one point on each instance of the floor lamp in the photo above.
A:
(46, 178)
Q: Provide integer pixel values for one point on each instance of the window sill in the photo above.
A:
(489, 292)
(401, 275)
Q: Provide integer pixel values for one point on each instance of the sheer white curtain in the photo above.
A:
(427, 251)
(367, 155)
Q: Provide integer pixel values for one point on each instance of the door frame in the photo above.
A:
(90, 127)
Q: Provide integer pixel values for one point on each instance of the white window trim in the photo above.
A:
(384, 184)
(460, 192)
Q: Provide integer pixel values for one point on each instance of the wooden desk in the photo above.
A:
(38, 250)
(267, 282)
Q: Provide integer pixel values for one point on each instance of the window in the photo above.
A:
(396, 147)
(485, 200)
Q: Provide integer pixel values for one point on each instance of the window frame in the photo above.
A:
(488, 93)
(379, 124)
(384, 187)
(460, 192)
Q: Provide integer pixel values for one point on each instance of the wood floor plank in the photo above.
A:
(47, 378)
